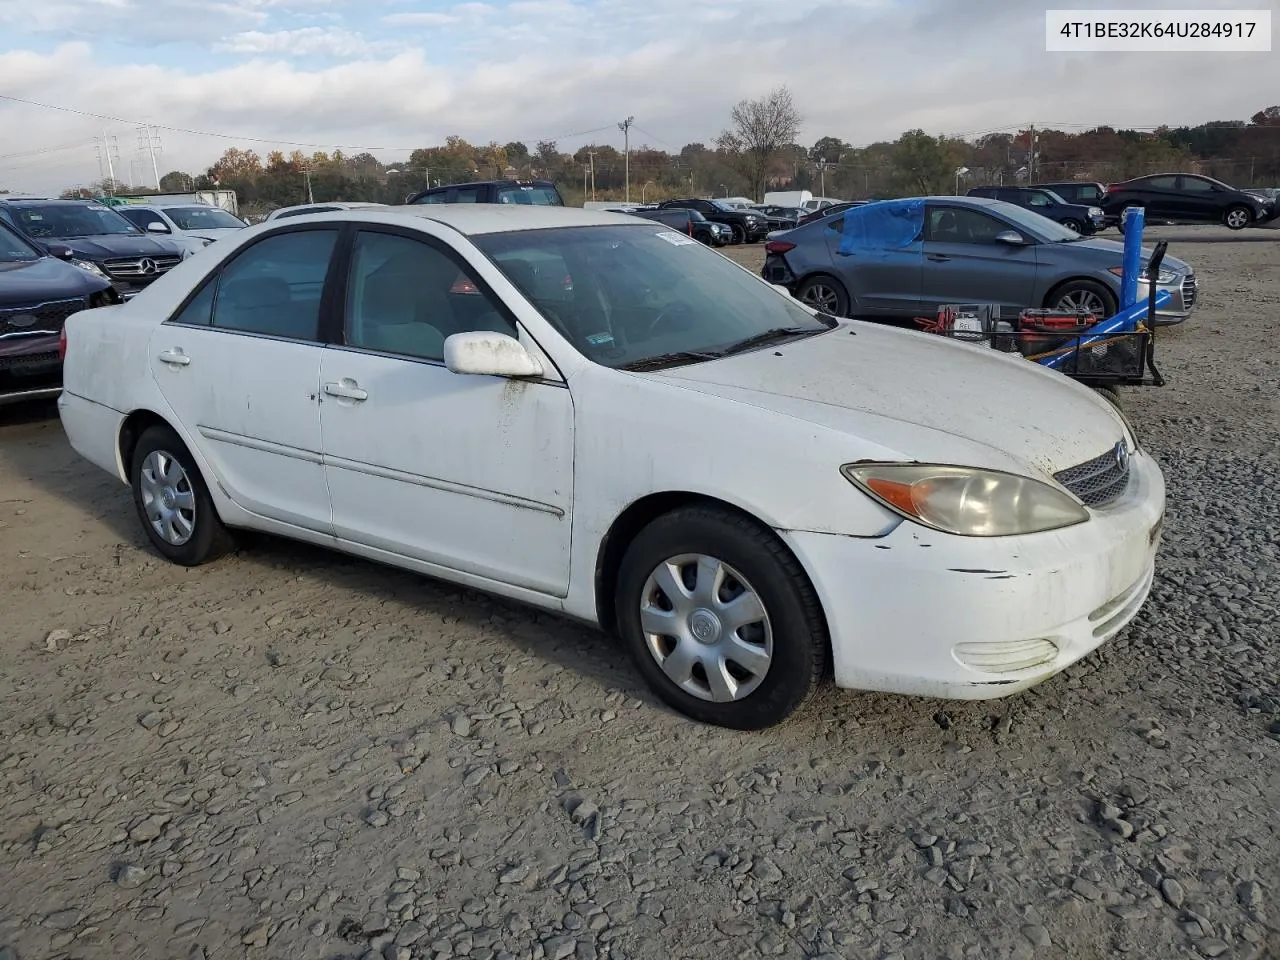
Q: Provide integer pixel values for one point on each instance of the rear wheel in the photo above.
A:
(1087, 295)
(1238, 217)
(824, 293)
(721, 620)
(173, 501)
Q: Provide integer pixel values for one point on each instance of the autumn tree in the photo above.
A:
(761, 128)
(175, 181)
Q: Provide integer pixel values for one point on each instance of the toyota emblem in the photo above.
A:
(1121, 454)
(147, 265)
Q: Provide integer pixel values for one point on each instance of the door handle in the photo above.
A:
(347, 389)
(939, 258)
(175, 357)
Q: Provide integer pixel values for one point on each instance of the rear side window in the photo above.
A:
(1157, 183)
(272, 288)
(536, 196)
(468, 195)
(440, 196)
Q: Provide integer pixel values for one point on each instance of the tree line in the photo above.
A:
(756, 152)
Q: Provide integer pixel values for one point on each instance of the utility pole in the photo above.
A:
(1031, 162)
(591, 154)
(149, 141)
(306, 172)
(110, 146)
(625, 127)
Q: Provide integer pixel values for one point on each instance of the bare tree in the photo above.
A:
(761, 129)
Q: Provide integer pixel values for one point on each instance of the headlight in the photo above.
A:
(1096, 212)
(1166, 276)
(89, 267)
(967, 501)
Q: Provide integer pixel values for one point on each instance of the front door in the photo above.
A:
(471, 473)
(240, 366)
(964, 263)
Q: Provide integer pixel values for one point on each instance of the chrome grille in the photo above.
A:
(1099, 481)
(144, 269)
(41, 317)
(1188, 291)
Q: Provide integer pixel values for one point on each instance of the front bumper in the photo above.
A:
(968, 618)
(1184, 292)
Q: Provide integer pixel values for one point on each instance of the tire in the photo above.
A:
(826, 293)
(1112, 395)
(1237, 217)
(164, 470)
(1087, 293)
(1120, 222)
(739, 233)
(1071, 224)
(784, 651)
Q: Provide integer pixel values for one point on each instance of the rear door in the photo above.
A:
(964, 263)
(882, 281)
(1160, 196)
(239, 365)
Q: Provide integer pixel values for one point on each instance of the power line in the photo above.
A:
(271, 140)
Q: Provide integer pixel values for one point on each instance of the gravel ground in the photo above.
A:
(294, 754)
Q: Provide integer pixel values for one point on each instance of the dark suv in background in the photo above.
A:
(541, 193)
(37, 294)
(94, 238)
(748, 226)
(1080, 217)
(1189, 198)
(691, 222)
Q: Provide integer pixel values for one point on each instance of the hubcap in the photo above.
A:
(823, 297)
(167, 498)
(706, 627)
(1083, 300)
(1237, 218)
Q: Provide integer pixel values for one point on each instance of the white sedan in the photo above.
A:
(597, 415)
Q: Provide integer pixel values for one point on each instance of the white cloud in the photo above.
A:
(860, 71)
(303, 42)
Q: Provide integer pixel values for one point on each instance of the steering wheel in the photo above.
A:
(665, 315)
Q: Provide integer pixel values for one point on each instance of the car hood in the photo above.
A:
(1112, 251)
(30, 282)
(116, 245)
(919, 397)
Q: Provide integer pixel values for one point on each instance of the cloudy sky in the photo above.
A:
(390, 75)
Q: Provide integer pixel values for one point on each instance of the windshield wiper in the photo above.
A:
(768, 336)
(671, 359)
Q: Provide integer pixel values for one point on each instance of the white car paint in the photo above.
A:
(512, 486)
(192, 241)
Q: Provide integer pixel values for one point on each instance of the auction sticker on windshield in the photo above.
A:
(676, 239)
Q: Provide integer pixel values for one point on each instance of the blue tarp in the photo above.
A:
(881, 227)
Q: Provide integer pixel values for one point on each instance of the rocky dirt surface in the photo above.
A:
(293, 754)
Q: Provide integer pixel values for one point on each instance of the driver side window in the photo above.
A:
(407, 297)
(961, 225)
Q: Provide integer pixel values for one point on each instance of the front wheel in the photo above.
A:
(1087, 295)
(1237, 218)
(739, 234)
(173, 501)
(826, 294)
(1075, 225)
(720, 619)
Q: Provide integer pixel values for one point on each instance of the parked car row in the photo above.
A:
(586, 398)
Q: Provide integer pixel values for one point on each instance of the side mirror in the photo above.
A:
(1012, 237)
(489, 354)
(61, 251)
(155, 226)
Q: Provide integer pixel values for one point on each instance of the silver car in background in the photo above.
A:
(967, 250)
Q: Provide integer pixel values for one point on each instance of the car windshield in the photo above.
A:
(643, 295)
(538, 196)
(202, 218)
(71, 220)
(1043, 227)
(1055, 196)
(13, 248)
(726, 205)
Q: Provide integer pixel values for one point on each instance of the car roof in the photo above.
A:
(61, 201)
(474, 219)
